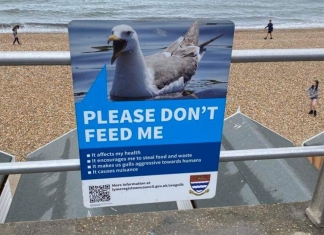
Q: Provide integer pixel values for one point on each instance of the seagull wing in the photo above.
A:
(178, 60)
(192, 35)
(168, 69)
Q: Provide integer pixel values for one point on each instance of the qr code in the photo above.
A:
(100, 193)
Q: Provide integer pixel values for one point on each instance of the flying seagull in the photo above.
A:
(165, 72)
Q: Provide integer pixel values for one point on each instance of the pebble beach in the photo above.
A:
(36, 102)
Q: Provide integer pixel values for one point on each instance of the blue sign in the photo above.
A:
(149, 116)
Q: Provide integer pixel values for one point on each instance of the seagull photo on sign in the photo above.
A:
(151, 59)
(165, 72)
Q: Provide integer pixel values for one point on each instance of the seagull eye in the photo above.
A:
(128, 33)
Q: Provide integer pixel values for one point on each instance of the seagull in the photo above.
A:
(162, 73)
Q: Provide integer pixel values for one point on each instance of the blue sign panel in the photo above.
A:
(150, 100)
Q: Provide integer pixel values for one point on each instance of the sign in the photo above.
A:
(150, 100)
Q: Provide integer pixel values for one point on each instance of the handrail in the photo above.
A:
(225, 156)
(10, 58)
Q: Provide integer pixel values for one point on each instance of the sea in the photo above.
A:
(54, 16)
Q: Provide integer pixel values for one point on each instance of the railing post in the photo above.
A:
(315, 211)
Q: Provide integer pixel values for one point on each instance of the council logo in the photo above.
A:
(199, 184)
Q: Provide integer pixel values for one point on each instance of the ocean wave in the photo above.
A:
(296, 25)
(35, 28)
(43, 16)
(63, 28)
(11, 11)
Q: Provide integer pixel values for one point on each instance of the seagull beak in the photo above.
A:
(118, 46)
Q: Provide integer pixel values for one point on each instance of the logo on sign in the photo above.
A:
(199, 184)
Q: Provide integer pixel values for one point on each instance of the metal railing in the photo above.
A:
(315, 211)
(238, 56)
(225, 156)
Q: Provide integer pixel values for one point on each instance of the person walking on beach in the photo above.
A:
(15, 34)
(313, 95)
(270, 29)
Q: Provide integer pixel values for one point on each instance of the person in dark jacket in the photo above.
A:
(270, 29)
(313, 95)
(15, 34)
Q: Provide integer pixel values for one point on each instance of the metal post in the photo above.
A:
(315, 211)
